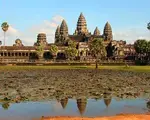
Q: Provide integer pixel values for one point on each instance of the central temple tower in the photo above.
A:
(81, 26)
(108, 32)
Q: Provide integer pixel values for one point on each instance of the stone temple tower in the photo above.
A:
(108, 32)
(81, 104)
(81, 26)
(96, 32)
(41, 39)
(57, 34)
(61, 33)
(64, 28)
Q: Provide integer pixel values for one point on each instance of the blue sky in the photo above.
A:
(128, 18)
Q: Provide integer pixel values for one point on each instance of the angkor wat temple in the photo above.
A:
(82, 37)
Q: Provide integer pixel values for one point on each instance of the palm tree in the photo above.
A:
(97, 49)
(5, 27)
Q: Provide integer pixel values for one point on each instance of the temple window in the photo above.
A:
(9, 54)
(23, 54)
(19, 54)
(16, 54)
(1, 54)
(12, 54)
(26, 54)
(5, 54)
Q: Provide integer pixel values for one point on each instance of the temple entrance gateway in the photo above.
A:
(47, 56)
(61, 56)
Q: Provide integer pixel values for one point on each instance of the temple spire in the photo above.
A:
(107, 99)
(57, 34)
(58, 29)
(63, 32)
(81, 104)
(64, 102)
(81, 25)
(96, 31)
(108, 32)
(107, 102)
(63, 28)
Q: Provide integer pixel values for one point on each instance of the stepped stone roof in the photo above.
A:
(96, 31)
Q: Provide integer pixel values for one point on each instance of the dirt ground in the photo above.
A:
(118, 117)
(20, 85)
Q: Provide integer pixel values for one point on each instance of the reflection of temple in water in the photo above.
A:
(5, 105)
(81, 104)
(64, 102)
(148, 105)
(107, 100)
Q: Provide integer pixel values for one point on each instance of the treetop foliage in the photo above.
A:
(97, 47)
(53, 49)
(142, 46)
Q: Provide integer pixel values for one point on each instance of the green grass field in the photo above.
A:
(129, 68)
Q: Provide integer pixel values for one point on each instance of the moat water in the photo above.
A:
(70, 107)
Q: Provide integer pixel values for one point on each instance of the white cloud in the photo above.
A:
(12, 33)
(47, 27)
(132, 34)
(57, 18)
(29, 36)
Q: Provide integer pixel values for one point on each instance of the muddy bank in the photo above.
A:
(118, 117)
(20, 85)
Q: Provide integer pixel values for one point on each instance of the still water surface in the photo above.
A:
(70, 107)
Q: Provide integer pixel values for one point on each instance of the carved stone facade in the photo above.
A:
(82, 37)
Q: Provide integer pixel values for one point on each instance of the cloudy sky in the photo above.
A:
(27, 18)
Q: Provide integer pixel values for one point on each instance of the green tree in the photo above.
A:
(70, 43)
(71, 51)
(148, 50)
(148, 46)
(53, 50)
(5, 27)
(97, 49)
(142, 48)
(40, 50)
(148, 26)
(111, 49)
